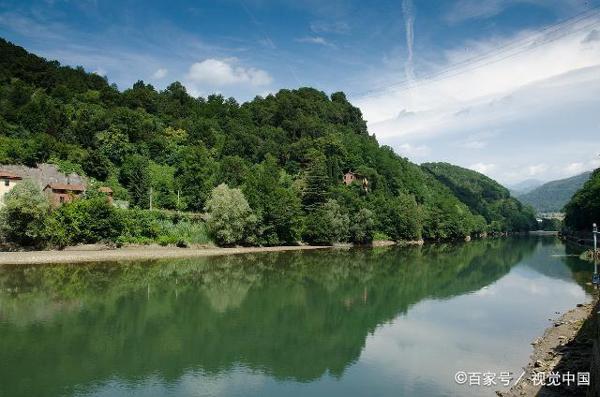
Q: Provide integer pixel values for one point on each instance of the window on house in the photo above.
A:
(7, 182)
(61, 199)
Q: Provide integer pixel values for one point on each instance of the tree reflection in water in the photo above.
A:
(289, 315)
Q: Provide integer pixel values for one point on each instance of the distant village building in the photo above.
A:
(58, 187)
(350, 177)
(8, 180)
(43, 174)
(60, 193)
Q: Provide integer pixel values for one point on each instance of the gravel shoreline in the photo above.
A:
(565, 346)
(98, 254)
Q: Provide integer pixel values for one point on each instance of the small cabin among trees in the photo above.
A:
(350, 177)
(8, 180)
(60, 193)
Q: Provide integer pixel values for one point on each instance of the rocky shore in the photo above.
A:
(565, 347)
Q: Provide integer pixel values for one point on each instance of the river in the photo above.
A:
(358, 322)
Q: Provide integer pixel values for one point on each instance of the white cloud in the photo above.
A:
(521, 88)
(575, 168)
(475, 141)
(594, 35)
(160, 73)
(536, 169)
(100, 72)
(225, 72)
(474, 145)
(482, 167)
(408, 150)
(314, 40)
(489, 80)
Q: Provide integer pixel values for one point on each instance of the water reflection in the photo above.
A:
(320, 322)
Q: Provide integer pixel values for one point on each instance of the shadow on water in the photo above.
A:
(293, 315)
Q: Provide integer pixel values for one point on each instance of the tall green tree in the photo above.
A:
(194, 176)
(135, 176)
(327, 224)
(404, 219)
(275, 202)
(317, 182)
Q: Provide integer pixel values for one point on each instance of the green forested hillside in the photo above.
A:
(484, 197)
(286, 153)
(584, 207)
(552, 196)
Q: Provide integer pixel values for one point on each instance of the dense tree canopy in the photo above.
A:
(484, 197)
(584, 207)
(286, 152)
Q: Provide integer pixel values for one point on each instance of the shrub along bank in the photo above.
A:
(28, 220)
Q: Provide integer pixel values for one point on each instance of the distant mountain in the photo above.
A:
(552, 196)
(524, 186)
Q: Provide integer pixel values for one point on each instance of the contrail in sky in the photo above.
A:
(409, 20)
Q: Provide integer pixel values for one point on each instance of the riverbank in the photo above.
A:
(565, 346)
(98, 253)
(104, 253)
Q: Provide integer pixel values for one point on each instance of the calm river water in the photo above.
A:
(361, 322)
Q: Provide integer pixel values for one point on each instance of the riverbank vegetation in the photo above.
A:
(584, 207)
(484, 197)
(265, 172)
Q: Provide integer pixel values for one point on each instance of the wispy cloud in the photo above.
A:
(415, 152)
(482, 167)
(30, 27)
(315, 40)
(464, 10)
(470, 9)
(160, 73)
(490, 78)
(537, 169)
(338, 27)
(518, 85)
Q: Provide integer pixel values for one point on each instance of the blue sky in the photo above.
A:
(509, 88)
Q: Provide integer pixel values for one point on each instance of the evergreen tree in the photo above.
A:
(317, 183)
(135, 176)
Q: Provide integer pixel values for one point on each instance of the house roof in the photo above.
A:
(105, 189)
(65, 186)
(9, 175)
